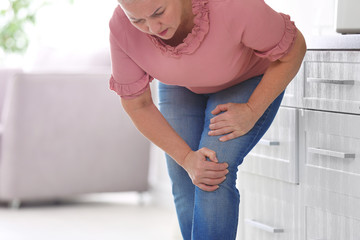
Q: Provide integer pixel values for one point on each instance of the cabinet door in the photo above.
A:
(331, 151)
(269, 209)
(275, 156)
(332, 81)
(330, 216)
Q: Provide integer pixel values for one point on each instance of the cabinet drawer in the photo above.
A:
(267, 218)
(330, 216)
(332, 152)
(267, 205)
(276, 155)
(331, 83)
(321, 224)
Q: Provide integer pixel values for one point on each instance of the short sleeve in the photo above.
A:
(128, 80)
(269, 33)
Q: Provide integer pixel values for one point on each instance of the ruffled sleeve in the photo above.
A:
(284, 45)
(128, 80)
(269, 33)
(130, 90)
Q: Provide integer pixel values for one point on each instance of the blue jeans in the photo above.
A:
(209, 215)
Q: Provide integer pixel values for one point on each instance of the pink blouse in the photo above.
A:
(232, 40)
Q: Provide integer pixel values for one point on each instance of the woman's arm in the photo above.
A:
(151, 123)
(238, 119)
(278, 76)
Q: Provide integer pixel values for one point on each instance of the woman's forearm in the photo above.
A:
(277, 77)
(151, 123)
(207, 175)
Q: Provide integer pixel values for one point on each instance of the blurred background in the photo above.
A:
(49, 30)
(72, 166)
(42, 34)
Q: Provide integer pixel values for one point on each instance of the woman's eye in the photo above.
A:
(138, 21)
(158, 14)
(141, 20)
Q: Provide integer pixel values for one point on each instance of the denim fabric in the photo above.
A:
(209, 215)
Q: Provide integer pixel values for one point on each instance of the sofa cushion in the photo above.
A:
(5, 76)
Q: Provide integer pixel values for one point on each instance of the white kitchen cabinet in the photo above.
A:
(329, 215)
(332, 151)
(268, 181)
(332, 81)
(268, 207)
(301, 182)
(293, 93)
(329, 146)
(275, 156)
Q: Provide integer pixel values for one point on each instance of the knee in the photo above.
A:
(231, 152)
(229, 185)
(227, 189)
(222, 202)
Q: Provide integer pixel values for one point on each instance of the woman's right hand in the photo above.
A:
(207, 175)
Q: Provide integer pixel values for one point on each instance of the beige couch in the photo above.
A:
(66, 134)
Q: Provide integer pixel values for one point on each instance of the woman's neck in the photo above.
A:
(185, 27)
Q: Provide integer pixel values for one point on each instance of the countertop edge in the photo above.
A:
(334, 42)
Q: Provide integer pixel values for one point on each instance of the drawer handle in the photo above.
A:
(264, 227)
(331, 153)
(267, 142)
(331, 81)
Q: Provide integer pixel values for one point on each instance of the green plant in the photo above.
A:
(15, 17)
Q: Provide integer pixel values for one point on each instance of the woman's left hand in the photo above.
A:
(235, 120)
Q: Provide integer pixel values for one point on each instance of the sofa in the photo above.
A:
(65, 134)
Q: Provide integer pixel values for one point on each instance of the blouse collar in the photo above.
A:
(200, 9)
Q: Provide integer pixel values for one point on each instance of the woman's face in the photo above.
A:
(156, 17)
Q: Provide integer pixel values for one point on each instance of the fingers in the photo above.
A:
(207, 187)
(219, 124)
(220, 108)
(210, 184)
(221, 131)
(229, 136)
(209, 154)
(219, 118)
(207, 175)
(211, 166)
(216, 174)
(213, 181)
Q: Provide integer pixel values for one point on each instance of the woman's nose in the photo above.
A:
(154, 26)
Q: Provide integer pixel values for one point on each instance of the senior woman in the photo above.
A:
(223, 66)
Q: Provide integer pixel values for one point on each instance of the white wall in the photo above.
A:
(311, 17)
(82, 29)
(70, 36)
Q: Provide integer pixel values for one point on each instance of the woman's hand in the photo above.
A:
(207, 175)
(235, 120)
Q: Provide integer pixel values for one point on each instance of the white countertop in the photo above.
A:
(333, 42)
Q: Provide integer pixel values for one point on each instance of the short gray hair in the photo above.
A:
(127, 1)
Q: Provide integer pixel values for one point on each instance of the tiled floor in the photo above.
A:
(96, 217)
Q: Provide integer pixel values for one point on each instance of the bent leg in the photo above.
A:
(216, 213)
(185, 112)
